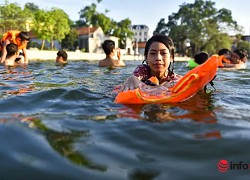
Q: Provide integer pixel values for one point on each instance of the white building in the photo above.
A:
(141, 33)
(90, 38)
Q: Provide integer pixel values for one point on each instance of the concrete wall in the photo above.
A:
(51, 55)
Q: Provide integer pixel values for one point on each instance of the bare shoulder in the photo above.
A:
(104, 63)
(119, 63)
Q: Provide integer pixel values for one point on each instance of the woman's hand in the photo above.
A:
(130, 84)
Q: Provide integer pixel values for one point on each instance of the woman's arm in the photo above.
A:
(131, 83)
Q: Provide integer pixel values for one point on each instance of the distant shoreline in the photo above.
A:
(51, 55)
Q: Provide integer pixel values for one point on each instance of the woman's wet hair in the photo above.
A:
(167, 41)
(108, 46)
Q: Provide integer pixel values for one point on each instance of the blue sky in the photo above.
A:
(148, 12)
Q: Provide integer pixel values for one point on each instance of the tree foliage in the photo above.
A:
(31, 7)
(202, 24)
(90, 16)
(61, 24)
(51, 25)
(12, 16)
(161, 27)
(122, 31)
(70, 41)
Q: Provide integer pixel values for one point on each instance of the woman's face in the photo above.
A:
(158, 58)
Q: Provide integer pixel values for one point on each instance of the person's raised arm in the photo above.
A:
(26, 61)
(4, 52)
(118, 53)
(120, 63)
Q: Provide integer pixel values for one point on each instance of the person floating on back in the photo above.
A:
(20, 38)
(110, 51)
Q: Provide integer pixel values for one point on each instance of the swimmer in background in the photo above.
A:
(239, 56)
(110, 51)
(226, 53)
(225, 56)
(20, 38)
(199, 58)
(61, 57)
(12, 56)
(238, 59)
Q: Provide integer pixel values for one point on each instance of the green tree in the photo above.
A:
(240, 43)
(12, 17)
(70, 42)
(122, 31)
(42, 26)
(31, 7)
(29, 10)
(51, 25)
(90, 16)
(46, 25)
(161, 27)
(60, 27)
(203, 25)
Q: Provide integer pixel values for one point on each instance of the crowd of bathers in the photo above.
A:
(13, 52)
(228, 59)
(159, 58)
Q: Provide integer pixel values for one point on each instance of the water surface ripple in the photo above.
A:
(61, 122)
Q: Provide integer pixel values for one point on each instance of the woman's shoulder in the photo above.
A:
(142, 71)
(142, 67)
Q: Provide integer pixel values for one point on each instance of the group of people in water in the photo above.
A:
(228, 59)
(159, 62)
(159, 58)
(13, 46)
(13, 52)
